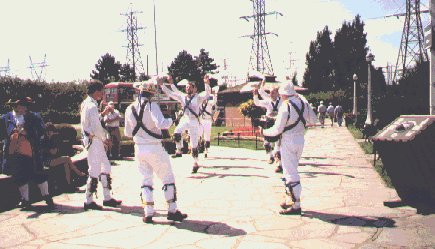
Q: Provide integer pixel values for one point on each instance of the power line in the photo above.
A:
(37, 69)
(260, 56)
(133, 56)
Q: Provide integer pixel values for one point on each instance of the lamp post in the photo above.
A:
(369, 121)
(355, 110)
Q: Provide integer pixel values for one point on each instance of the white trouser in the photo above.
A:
(275, 147)
(97, 159)
(98, 164)
(152, 158)
(192, 126)
(206, 129)
(292, 146)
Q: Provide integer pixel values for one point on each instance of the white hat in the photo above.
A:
(321, 102)
(111, 103)
(287, 88)
(146, 86)
(183, 82)
(215, 89)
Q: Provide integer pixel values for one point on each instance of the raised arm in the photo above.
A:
(207, 90)
(178, 96)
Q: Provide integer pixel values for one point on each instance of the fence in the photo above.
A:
(258, 138)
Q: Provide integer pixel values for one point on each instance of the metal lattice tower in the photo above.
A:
(5, 71)
(133, 57)
(37, 69)
(260, 56)
(412, 43)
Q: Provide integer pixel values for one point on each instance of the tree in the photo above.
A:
(106, 69)
(350, 52)
(295, 79)
(127, 73)
(319, 74)
(205, 62)
(184, 67)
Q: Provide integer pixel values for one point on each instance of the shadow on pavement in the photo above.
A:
(346, 220)
(225, 167)
(209, 227)
(318, 164)
(202, 175)
(422, 208)
(234, 158)
(315, 174)
(59, 208)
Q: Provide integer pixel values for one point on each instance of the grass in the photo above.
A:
(368, 149)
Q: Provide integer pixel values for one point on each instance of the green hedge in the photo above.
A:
(57, 102)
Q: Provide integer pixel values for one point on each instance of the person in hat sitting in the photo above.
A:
(51, 157)
(24, 135)
(293, 116)
(191, 103)
(271, 102)
(112, 125)
(95, 141)
(144, 122)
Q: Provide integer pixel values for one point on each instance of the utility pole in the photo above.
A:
(133, 54)
(5, 71)
(37, 69)
(260, 56)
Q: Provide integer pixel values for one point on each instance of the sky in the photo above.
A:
(75, 34)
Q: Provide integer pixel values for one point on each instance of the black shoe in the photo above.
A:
(112, 203)
(24, 205)
(93, 206)
(49, 201)
(148, 219)
(278, 169)
(271, 160)
(177, 216)
(195, 169)
(205, 155)
(291, 211)
(177, 155)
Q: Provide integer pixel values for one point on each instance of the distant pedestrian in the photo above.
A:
(321, 109)
(330, 111)
(338, 113)
(112, 121)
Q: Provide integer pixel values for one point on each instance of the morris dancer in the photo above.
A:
(290, 124)
(144, 121)
(190, 102)
(271, 103)
(207, 109)
(95, 141)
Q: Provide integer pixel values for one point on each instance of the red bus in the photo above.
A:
(123, 94)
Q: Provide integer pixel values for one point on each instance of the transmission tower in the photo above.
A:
(412, 43)
(260, 56)
(133, 57)
(37, 69)
(4, 71)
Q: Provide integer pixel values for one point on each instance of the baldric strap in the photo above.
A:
(204, 110)
(187, 106)
(140, 124)
(300, 112)
(275, 105)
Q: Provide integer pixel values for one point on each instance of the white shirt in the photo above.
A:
(90, 119)
(330, 109)
(152, 119)
(196, 102)
(110, 116)
(267, 102)
(283, 120)
(209, 103)
(19, 119)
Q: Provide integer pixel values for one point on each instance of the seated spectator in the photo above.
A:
(51, 157)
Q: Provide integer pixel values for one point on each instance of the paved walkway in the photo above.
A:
(233, 203)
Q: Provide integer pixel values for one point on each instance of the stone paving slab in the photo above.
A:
(233, 203)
